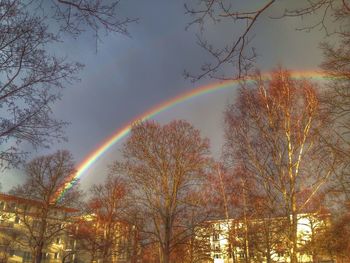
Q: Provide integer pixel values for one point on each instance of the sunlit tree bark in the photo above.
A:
(277, 130)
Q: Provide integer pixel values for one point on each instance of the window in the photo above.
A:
(72, 243)
(17, 220)
(241, 254)
(217, 248)
(11, 207)
(240, 234)
(216, 236)
(45, 256)
(27, 256)
(280, 253)
(229, 251)
(56, 255)
(11, 252)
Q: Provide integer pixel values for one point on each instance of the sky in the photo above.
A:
(125, 76)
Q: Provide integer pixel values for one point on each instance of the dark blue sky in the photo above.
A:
(128, 75)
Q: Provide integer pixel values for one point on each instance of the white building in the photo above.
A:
(262, 240)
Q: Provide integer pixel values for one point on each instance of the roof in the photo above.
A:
(300, 215)
(22, 200)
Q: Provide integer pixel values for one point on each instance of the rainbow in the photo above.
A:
(166, 105)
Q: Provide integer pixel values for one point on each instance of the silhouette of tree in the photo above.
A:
(31, 77)
(238, 55)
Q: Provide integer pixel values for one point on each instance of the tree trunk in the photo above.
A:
(246, 231)
(166, 257)
(268, 255)
(191, 256)
(167, 239)
(294, 228)
(38, 253)
(134, 242)
(40, 245)
(268, 243)
(166, 251)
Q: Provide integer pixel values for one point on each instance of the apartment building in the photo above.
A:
(22, 229)
(100, 240)
(65, 234)
(262, 240)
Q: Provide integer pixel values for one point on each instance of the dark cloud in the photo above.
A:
(127, 76)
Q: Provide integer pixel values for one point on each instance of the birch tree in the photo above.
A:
(276, 129)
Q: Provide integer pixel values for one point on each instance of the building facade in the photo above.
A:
(61, 235)
(263, 240)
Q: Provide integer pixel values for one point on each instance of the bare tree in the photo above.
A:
(104, 233)
(164, 164)
(334, 239)
(238, 55)
(193, 244)
(250, 225)
(337, 101)
(43, 214)
(31, 78)
(77, 16)
(8, 239)
(30, 81)
(277, 130)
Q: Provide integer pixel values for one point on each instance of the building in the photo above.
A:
(101, 240)
(64, 234)
(22, 229)
(263, 240)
